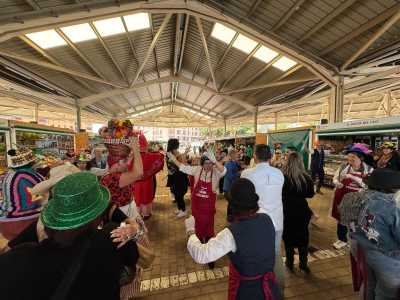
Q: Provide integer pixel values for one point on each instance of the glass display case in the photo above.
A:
(45, 142)
(42, 139)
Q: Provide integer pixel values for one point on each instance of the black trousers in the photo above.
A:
(229, 214)
(320, 174)
(221, 185)
(341, 232)
(303, 255)
(180, 199)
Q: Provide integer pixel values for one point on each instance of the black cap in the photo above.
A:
(242, 195)
(384, 179)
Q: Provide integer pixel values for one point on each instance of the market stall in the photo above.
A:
(301, 138)
(335, 137)
(41, 139)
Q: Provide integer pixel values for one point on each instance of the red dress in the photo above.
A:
(143, 191)
(203, 208)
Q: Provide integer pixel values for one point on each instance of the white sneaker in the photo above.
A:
(181, 214)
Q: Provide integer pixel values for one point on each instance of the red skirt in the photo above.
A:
(143, 191)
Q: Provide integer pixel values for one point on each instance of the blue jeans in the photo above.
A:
(383, 276)
(278, 267)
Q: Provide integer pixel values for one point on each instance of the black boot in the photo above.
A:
(303, 257)
(289, 257)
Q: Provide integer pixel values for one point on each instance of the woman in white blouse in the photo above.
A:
(204, 193)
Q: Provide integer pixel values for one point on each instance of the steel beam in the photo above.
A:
(254, 7)
(33, 4)
(177, 104)
(268, 85)
(56, 68)
(336, 12)
(154, 49)
(78, 119)
(151, 48)
(256, 120)
(80, 54)
(184, 38)
(95, 98)
(363, 28)
(78, 13)
(263, 70)
(53, 60)
(108, 51)
(205, 47)
(240, 67)
(288, 14)
(284, 75)
(386, 26)
(223, 57)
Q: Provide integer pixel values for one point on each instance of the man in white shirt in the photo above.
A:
(269, 183)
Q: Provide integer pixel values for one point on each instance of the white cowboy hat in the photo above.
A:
(56, 174)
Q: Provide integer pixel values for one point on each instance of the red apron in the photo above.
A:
(203, 208)
(349, 186)
(235, 278)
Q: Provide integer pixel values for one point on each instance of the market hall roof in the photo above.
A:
(220, 59)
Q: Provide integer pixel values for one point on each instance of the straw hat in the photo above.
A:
(77, 200)
(20, 157)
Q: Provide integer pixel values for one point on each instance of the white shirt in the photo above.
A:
(197, 170)
(215, 248)
(269, 183)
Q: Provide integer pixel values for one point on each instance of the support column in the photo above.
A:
(78, 119)
(336, 102)
(276, 120)
(255, 120)
(224, 126)
(389, 104)
(37, 113)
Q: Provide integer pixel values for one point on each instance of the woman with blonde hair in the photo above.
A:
(297, 187)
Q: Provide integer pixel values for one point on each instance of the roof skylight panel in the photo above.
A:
(265, 54)
(79, 33)
(137, 21)
(46, 39)
(109, 27)
(223, 33)
(284, 63)
(245, 44)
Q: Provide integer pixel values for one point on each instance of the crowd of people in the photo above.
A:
(84, 217)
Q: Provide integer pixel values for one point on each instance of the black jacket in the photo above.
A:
(296, 212)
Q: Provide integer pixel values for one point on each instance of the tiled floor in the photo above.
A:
(171, 275)
(330, 278)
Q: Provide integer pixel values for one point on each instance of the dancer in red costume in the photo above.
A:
(144, 189)
(126, 163)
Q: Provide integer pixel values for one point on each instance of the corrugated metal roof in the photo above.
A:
(195, 65)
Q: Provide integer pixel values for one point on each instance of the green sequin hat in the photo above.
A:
(77, 200)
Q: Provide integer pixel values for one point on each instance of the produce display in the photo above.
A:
(45, 143)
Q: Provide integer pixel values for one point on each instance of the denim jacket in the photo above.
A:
(378, 226)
